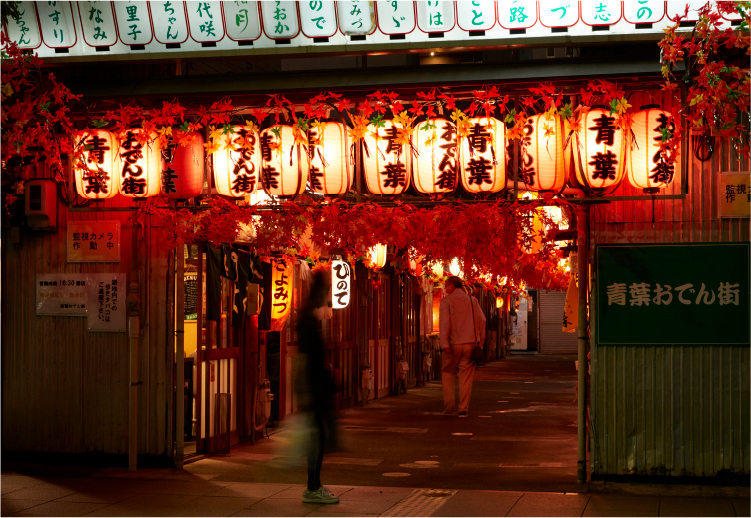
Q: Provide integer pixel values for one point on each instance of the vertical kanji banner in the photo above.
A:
(673, 294)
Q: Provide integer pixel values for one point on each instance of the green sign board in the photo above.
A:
(672, 294)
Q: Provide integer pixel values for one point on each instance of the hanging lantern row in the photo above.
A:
(434, 157)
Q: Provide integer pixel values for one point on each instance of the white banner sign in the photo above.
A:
(341, 283)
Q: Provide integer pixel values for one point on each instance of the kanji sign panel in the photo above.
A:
(282, 278)
(318, 18)
(242, 20)
(356, 17)
(205, 21)
(396, 17)
(644, 11)
(735, 195)
(170, 22)
(25, 30)
(341, 283)
(58, 31)
(558, 13)
(133, 22)
(477, 15)
(97, 23)
(61, 294)
(518, 14)
(280, 19)
(597, 12)
(436, 15)
(673, 294)
(106, 302)
(93, 241)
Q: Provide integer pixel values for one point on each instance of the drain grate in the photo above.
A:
(422, 502)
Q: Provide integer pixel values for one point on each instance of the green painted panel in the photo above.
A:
(673, 294)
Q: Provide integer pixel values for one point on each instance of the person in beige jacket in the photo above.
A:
(459, 332)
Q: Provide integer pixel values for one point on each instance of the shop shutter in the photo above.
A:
(552, 338)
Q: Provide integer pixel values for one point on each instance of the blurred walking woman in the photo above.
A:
(316, 389)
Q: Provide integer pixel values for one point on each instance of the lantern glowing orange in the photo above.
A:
(600, 150)
(483, 153)
(386, 160)
(377, 256)
(140, 165)
(329, 168)
(182, 169)
(647, 168)
(237, 162)
(282, 275)
(435, 167)
(284, 162)
(543, 167)
(98, 171)
(530, 237)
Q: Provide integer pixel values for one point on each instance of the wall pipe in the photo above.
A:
(180, 355)
(582, 220)
(134, 328)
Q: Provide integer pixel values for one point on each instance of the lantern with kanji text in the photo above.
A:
(483, 156)
(282, 276)
(647, 167)
(182, 168)
(341, 283)
(386, 158)
(140, 164)
(330, 171)
(599, 150)
(543, 167)
(435, 168)
(237, 162)
(97, 169)
(284, 161)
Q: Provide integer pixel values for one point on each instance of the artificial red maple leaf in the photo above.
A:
(365, 109)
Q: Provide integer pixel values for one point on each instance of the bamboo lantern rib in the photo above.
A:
(97, 174)
(483, 156)
(237, 162)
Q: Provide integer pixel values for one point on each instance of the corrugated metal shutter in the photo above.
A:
(552, 338)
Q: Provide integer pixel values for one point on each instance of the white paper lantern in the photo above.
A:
(377, 255)
(599, 152)
(98, 172)
(237, 162)
(647, 168)
(140, 165)
(386, 161)
(284, 162)
(329, 167)
(483, 154)
(435, 168)
(543, 167)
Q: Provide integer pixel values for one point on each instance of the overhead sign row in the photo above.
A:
(62, 25)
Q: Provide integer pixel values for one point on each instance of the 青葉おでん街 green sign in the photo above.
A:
(672, 294)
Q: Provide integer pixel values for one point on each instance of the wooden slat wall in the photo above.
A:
(670, 410)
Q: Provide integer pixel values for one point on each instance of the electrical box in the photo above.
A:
(41, 204)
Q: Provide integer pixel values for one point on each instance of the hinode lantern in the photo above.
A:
(182, 169)
(543, 167)
(599, 151)
(140, 165)
(284, 162)
(330, 172)
(647, 168)
(377, 256)
(483, 153)
(386, 159)
(341, 283)
(97, 171)
(237, 162)
(434, 170)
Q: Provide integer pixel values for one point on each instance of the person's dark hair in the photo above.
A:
(455, 281)
(319, 291)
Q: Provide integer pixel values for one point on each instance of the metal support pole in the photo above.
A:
(583, 278)
(134, 332)
(180, 355)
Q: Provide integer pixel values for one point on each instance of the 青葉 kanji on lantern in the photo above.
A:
(647, 167)
(386, 158)
(542, 163)
(96, 169)
(237, 162)
(330, 172)
(435, 168)
(284, 161)
(599, 150)
(182, 168)
(483, 156)
(140, 164)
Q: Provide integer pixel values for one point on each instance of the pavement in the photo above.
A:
(399, 456)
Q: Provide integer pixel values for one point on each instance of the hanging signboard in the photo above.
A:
(170, 22)
(282, 277)
(673, 294)
(481, 17)
(205, 21)
(436, 16)
(649, 11)
(97, 23)
(25, 29)
(280, 20)
(318, 19)
(356, 18)
(191, 297)
(58, 30)
(62, 294)
(395, 17)
(106, 302)
(93, 241)
(341, 283)
(558, 13)
(519, 14)
(734, 195)
(133, 22)
(600, 13)
(242, 20)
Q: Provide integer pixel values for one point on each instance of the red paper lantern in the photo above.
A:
(600, 150)
(182, 169)
(98, 171)
(237, 162)
(647, 168)
(435, 167)
(329, 170)
(284, 162)
(484, 156)
(543, 167)
(140, 164)
(386, 160)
